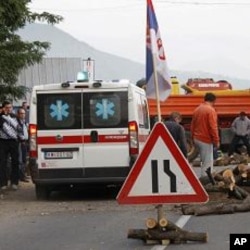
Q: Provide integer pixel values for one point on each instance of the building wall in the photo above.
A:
(50, 70)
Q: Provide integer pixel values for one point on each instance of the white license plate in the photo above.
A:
(59, 155)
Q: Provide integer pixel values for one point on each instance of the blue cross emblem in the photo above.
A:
(105, 109)
(59, 110)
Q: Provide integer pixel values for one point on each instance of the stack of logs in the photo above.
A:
(233, 183)
(228, 182)
(165, 232)
(234, 159)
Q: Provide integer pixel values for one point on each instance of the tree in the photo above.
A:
(16, 54)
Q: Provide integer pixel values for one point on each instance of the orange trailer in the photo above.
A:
(228, 105)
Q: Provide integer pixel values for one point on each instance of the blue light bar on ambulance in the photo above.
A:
(82, 76)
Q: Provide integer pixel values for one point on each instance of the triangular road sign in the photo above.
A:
(161, 174)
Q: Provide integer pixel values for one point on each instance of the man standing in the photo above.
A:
(204, 131)
(26, 109)
(10, 132)
(22, 145)
(177, 131)
(241, 129)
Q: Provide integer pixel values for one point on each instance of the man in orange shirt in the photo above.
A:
(204, 131)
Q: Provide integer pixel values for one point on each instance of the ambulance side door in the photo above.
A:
(59, 131)
(105, 125)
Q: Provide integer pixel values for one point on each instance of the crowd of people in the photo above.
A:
(13, 145)
(205, 132)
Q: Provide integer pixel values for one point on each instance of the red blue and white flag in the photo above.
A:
(155, 59)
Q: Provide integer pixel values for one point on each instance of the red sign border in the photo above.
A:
(159, 130)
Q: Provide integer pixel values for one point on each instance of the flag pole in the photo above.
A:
(159, 207)
(155, 44)
(156, 90)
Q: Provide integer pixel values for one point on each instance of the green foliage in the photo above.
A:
(16, 54)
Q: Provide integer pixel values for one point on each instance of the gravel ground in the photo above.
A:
(24, 202)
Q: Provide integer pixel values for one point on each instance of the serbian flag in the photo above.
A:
(155, 59)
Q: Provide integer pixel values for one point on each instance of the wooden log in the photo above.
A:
(151, 223)
(219, 187)
(141, 234)
(218, 177)
(181, 236)
(219, 208)
(239, 169)
(228, 177)
(243, 179)
(172, 227)
(244, 207)
(220, 162)
(188, 209)
(242, 192)
(152, 242)
(165, 242)
(163, 222)
(240, 179)
(172, 235)
(233, 193)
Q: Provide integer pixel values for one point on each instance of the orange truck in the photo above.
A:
(228, 105)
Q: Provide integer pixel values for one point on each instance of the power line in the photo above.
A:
(118, 7)
(139, 4)
(204, 3)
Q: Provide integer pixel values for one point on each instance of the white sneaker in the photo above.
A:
(4, 188)
(14, 187)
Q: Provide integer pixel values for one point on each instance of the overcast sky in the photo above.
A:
(206, 35)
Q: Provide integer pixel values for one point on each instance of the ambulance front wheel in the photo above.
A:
(42, 192)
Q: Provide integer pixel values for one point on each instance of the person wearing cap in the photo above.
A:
(241, 129)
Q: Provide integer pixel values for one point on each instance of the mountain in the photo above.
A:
(107, 66)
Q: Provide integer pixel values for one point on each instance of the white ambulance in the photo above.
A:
(85, 133)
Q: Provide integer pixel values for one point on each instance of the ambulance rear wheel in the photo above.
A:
(42, 192)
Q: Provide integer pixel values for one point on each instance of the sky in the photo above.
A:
(201, 35)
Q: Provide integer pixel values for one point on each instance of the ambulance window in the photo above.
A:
(59, 111)
(108, 109)
(143, 112)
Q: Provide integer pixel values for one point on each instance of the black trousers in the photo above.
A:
(9, 148)
(235, 141)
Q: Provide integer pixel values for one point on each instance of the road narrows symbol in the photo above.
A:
(172, 176)
(155, 179)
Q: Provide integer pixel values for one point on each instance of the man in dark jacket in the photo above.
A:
(177, 131)
(10, 134)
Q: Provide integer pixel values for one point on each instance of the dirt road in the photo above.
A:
(24, 202)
